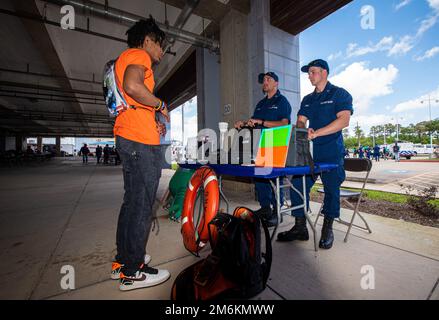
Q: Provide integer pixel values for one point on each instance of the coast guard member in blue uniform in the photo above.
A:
(272, 111)
(328, 110)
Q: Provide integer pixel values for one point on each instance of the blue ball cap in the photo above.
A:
(270, 74)
(316, 63)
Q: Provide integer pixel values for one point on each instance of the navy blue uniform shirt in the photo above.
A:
(321, 109)
(274, 109)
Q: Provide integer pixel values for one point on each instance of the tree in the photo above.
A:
(420, 131)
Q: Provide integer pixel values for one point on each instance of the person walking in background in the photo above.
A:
(98, 154)
(368, 153)
(106, 153)
(396, 151)
(376, 153)
(84, 152)
(361, 152)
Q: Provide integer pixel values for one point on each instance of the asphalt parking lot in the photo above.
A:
(390, 175)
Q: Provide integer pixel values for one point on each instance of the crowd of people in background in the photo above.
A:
(374, 153)
(110, 154)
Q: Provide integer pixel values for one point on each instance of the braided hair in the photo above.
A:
(141, 29)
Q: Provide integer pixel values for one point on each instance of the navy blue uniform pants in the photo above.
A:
(331, 184)
(265, 193)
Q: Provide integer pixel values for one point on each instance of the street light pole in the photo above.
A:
(431, 133)
(397, 127)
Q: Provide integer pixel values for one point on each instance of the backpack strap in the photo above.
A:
(118, 83)
(268, 249)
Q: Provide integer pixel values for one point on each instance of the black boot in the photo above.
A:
(327, 235)
(268, 215)
(297, 232)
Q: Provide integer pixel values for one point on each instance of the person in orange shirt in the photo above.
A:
(138, 142)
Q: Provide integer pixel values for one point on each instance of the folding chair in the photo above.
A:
(354, 165)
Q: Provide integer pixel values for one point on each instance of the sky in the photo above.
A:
(385, 53)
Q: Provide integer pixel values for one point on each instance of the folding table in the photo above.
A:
(270, 173)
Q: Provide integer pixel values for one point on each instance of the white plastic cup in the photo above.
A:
(223, 126)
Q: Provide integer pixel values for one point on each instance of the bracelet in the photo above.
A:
(160, 106)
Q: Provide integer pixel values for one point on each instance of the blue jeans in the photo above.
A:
(141, 165)
(266, 194)
(84, 158)
(331, 184)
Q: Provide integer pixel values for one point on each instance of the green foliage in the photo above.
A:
(416, 133)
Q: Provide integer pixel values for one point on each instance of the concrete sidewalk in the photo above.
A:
(65, 214)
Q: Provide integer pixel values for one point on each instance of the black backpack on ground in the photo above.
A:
(236, 268)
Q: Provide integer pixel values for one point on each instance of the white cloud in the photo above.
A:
(366, 84)
(427, 24)
(338, 68)
(335, 56)
(434, 4)
(305, 85)
(402, 4)
(384, 44)
(415, 104)
(404, 45)
(428, 54)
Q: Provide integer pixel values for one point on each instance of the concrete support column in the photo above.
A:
(58, 146)
(208, 90)
(40, 144)
(235, 86)
(251, 45)
(235, 89)
(271, 49)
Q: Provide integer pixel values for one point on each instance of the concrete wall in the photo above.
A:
(271, 49)
(234, 67)
(208, 90)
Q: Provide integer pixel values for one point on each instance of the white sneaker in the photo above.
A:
(143, 278)
(116, 267)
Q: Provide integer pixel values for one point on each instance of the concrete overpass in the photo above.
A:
(50, 78)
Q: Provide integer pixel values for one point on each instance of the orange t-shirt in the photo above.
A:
(136, 124)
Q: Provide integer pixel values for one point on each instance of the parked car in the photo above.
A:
(407, 154)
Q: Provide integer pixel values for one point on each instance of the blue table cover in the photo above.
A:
(261, 172)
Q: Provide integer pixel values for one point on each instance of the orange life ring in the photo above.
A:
(195, 239)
